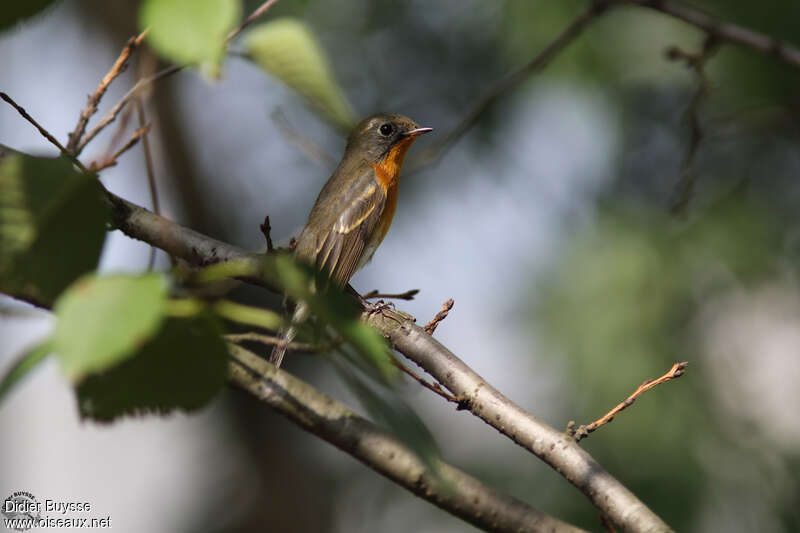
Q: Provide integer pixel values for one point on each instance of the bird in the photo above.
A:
(355, 207)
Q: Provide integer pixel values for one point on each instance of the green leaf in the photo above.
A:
(104, 320)
(338, 309)
(388, 409)
(182, 367)
(286, 48)
(13, 12)
(190, 31)
(52, 225)
(23, 366)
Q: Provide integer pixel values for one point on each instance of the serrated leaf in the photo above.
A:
(14, 12)
(287, 49)
(104, 320)
(52, 225)
(22, 367)
(190, 31)
(182, 367)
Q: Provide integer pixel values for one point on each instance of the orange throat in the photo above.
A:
(387, 171)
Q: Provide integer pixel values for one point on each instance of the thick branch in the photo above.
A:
(452, 490)
(554, 447)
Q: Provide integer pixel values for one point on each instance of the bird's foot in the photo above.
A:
(381, 307)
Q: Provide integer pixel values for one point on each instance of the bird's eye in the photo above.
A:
(386, 129)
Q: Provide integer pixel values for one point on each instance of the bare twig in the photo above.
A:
(260, 10)
(696, 62)
(583, 431)
(266, 229)
(374, 294)
(117, 68)
(46, 134)
(431, 326)
(151, 176)
(122, 126)
(111, 161)
(434, 387)
(311, 148)
(270, 340)
(511, 82)
(109, 117)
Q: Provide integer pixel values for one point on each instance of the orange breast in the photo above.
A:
(387, 172)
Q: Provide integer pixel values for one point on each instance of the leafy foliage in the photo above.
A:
(190, 31)
(338, 310)
(183, 366)
(104, 320)
(14, 12)
(44, 205)
(286, 49)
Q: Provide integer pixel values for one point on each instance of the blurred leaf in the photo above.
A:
(52, 225)
(287, 49)
(251, 316)
(23, 366)
(13, 12)
(386, 408)
(336, 308)
(104, 320)
(190, 31)
(182, 367)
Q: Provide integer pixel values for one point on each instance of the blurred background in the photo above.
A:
(552, 223)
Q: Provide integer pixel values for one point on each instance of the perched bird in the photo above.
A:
(355, 208)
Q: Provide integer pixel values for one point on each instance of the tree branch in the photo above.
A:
(555, 448)
(451, 489)
(723, 30)
(117, 68)
(511, 82)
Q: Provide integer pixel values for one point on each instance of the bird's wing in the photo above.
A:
(350, 216)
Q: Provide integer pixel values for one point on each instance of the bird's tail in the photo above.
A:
(288, 334)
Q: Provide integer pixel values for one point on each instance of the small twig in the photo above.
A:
(271, 340)
(435, 387)
(260, 10)
(374, 294)
(309, 147)
(583, 431)
(122, 126)
(696, 62)
(117, 68)
(111, 161)
(151, 177)
(430, 327)
(44, 132)
(511, 82)
(266, 229)
(109, 117)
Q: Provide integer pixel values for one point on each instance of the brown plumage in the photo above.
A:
(355, 208)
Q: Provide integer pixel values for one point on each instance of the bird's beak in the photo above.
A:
(417, 131)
